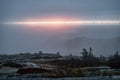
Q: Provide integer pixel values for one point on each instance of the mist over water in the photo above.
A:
(103, 39)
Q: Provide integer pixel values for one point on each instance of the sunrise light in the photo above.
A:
(85, 22)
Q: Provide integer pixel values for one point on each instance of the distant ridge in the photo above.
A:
(105, 46)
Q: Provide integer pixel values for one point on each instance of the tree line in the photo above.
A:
(88, 59)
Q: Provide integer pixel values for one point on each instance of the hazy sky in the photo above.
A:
(15, 39)
(20, 9)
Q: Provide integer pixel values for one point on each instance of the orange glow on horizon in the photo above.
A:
(63, 24)
(62, 21)
(90, 22)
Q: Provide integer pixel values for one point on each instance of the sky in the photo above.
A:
(22, 38)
